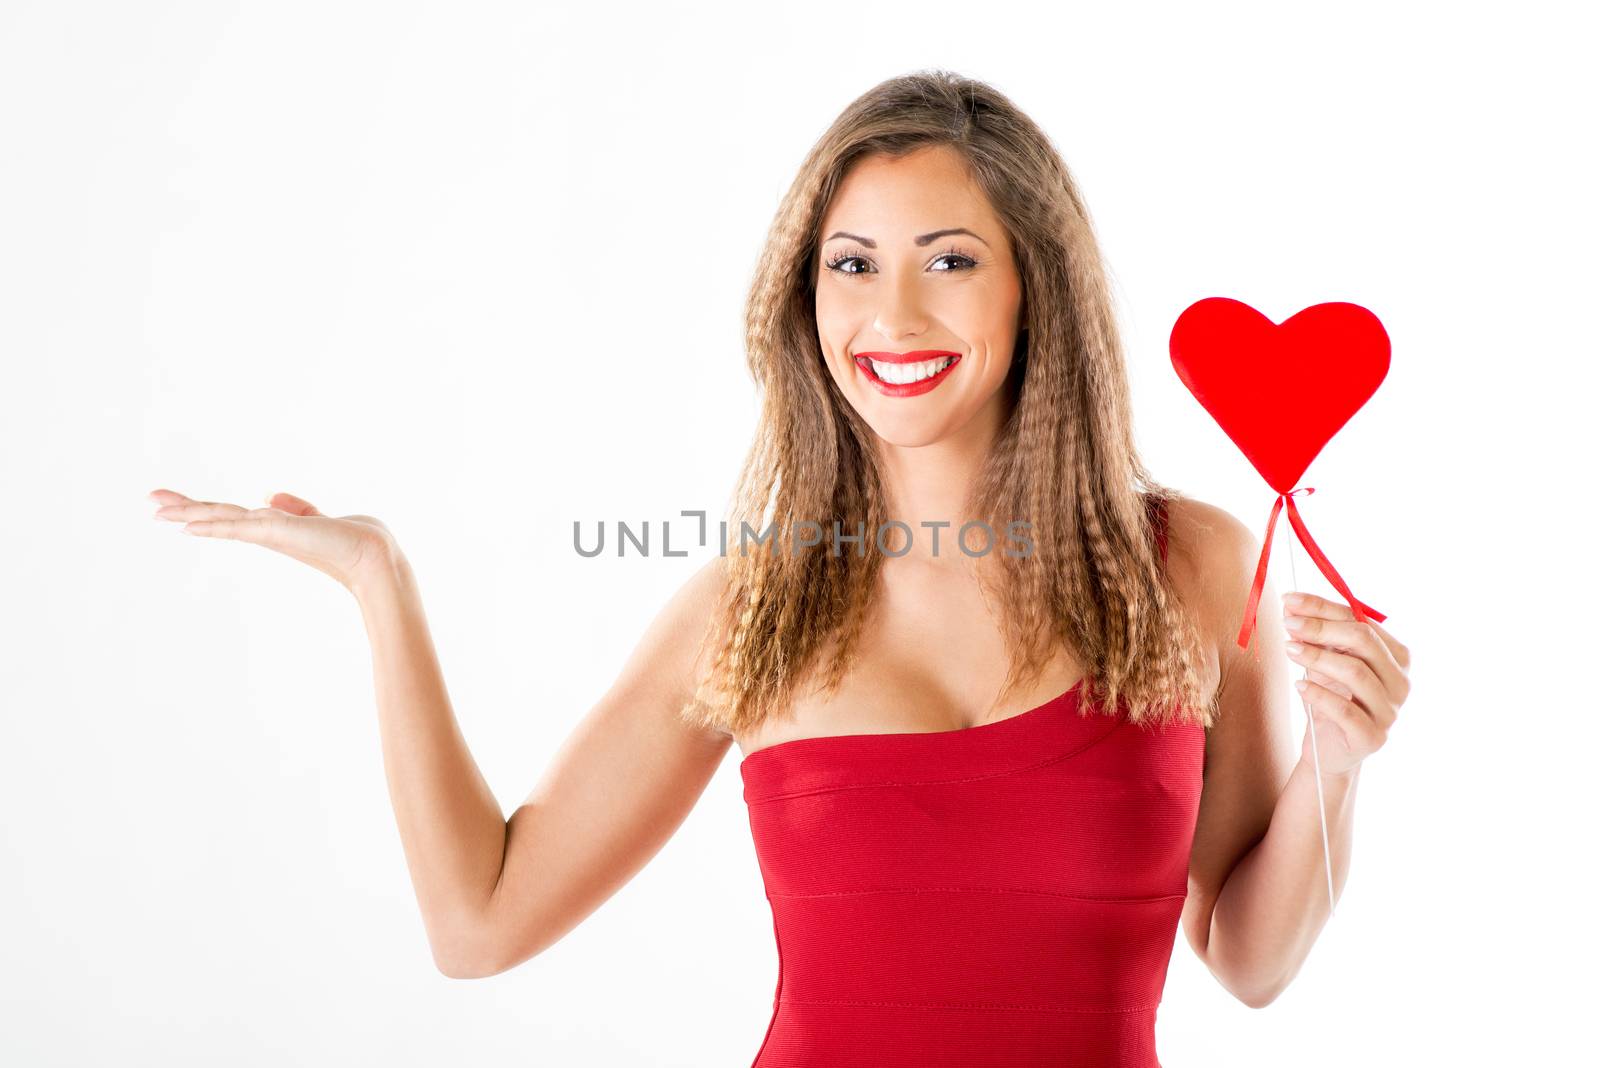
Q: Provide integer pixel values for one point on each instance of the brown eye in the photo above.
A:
(835, 261)
(966, 262)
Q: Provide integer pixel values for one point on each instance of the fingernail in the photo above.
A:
(1294, 648)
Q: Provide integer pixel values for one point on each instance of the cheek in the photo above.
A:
(988, 330)
(835, 335)
(835, 324)
(985, 308)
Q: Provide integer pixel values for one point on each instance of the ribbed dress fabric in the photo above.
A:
(1000, 895)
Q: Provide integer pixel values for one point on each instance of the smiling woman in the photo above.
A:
(933, 334)
(985, 788)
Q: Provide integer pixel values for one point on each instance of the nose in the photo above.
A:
(901, 313)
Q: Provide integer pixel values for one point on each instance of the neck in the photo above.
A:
(931, 484)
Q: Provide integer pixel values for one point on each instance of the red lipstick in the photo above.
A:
(906, 389)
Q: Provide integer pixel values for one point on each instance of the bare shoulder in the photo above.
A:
(1211, 556)
(1206, 536)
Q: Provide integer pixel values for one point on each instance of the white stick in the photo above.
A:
(1316, 761)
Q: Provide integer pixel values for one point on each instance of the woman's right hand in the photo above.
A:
(352, 549)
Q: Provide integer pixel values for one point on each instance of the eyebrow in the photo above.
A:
(919, 241)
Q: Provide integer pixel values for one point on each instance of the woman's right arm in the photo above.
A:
(493, 892)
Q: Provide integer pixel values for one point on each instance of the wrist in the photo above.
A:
(1335, 778)
(381, 577)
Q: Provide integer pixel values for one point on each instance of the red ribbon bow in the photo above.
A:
(1362, 611)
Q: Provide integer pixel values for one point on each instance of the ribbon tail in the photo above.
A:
(1260, 582)
(1362, 611)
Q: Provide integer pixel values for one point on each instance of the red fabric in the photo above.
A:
(1000, 895)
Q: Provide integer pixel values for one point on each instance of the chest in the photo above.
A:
(931, 656)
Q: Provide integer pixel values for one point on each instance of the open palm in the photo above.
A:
(346, 548)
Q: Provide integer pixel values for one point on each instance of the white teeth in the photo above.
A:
(901, 374)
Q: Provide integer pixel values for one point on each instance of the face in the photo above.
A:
(914, 262)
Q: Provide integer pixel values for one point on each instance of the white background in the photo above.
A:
(478, 270)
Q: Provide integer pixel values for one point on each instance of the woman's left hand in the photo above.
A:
(1357, 679)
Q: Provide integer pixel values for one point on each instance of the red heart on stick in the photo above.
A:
(1280, 391)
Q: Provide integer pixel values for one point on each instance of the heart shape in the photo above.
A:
(1280, 391)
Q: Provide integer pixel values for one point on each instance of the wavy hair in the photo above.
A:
(1064, 460)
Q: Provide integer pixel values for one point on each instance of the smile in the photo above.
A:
(906, 374)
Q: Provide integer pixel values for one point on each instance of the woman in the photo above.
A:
(989, 774)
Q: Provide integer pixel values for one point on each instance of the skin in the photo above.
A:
(888, 293)
(495, 892)
(960, 292)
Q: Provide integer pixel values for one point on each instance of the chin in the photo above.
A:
(909, 433)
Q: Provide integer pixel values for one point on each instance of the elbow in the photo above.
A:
(467, 950)
(487, 952)
(479, 963)
(456, 966)
(485, 942)
(1256, 994)
(1249, 980)
(463, 960)
(1258, 999)
(1254, 991)
(479, 957)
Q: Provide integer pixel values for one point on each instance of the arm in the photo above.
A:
(451, 827)
(1257, 890)
(1275, 901)
(494, 893)
(618, 788)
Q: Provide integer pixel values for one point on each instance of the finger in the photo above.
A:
(170, 499)
(1359, 729)
(189, 511)
(1329, 682)
(1301, 603)
(166, 496)
(1359, 638)
(1397, 648)
(1356, 679)
(260, 526)
(288, 502)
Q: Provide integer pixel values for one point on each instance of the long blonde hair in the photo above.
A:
(1064, 460)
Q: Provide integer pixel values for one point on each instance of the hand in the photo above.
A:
(351, 548)
(1357, 679)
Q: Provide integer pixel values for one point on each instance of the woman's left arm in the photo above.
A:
(1275, 902)
(1259, 896)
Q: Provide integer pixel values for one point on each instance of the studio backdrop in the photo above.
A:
(480, 273)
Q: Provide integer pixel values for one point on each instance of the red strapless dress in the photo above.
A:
(1000, 895)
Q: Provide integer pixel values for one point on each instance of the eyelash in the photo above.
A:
(845, 255)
